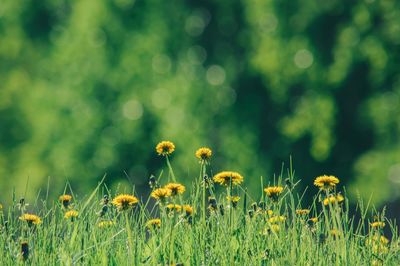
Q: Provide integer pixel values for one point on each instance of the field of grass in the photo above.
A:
(215, 222)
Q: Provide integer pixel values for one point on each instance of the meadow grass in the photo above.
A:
(215, 222)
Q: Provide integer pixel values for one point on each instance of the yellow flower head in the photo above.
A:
(234, 200)
(313, 220)
(276, 219)
(1, 207)
(161, 193)
(188, 210)
(65, 200)
(225, 178)
(302, 212)
(275, 228)
(165, 148)
(30, 219)
(326, 182)
(378, 224)
(71, 215)
(273, 192)
(104, 224)
(335, 233)
(333, 199)
(175, 188)
(203, 154)
(153, 223)
(173, 207)
(124, 201)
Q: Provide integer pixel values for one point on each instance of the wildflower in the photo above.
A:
(313, 219)
(105, 200)
(188, 210)
(203, 154)
(378, 224)
(273, 192)
(377, 239)
(165, 148)
(65, 200)
(335, 233)
(1, 207)
(173, 207)
(24, 250)
(175, 188)
(124, 201)
(153, 223)
(161, 194)
(225, 178)
(311, 222)
(104, 224)
(276, 219)
(272, 228)
(221, 209)
(234, 200)
(22, 205)
(333, 199)
(71, 215)
(212, 203)
(326, 182)
(302, 212)
(275, 228)
(153, 182)
(30, 219)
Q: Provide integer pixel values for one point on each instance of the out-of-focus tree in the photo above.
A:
(89, 87)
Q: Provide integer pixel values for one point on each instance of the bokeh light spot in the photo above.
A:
(215, 75)
(303, 58)
(132, 110)
(161, 64)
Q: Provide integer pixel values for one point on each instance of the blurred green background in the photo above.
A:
(89, 87)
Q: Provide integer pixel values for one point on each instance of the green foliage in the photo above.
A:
(89, 87)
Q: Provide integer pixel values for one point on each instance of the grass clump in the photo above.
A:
(216, 222)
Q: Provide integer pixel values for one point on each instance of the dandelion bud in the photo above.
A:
(288, 183)
(262, 205)
(221, 210)
(251, 213)
(25, 250)
(106, 200)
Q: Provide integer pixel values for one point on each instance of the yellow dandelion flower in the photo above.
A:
(333, 199)
(188, 210)
(173, 207)
(226, 177)
(153, 223)
(378, 224)
(302, 212)
(30, 219)
(313, 220)
(273, 192)
(161, 194)
(335, 233)
(175, 188)
(233, 199)
(65, 200)
(326, 182)
(104, 224)
(71, 215)
(276, 219)
(203, 154)
(124, 201)
(165, 148)
(275, 228)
